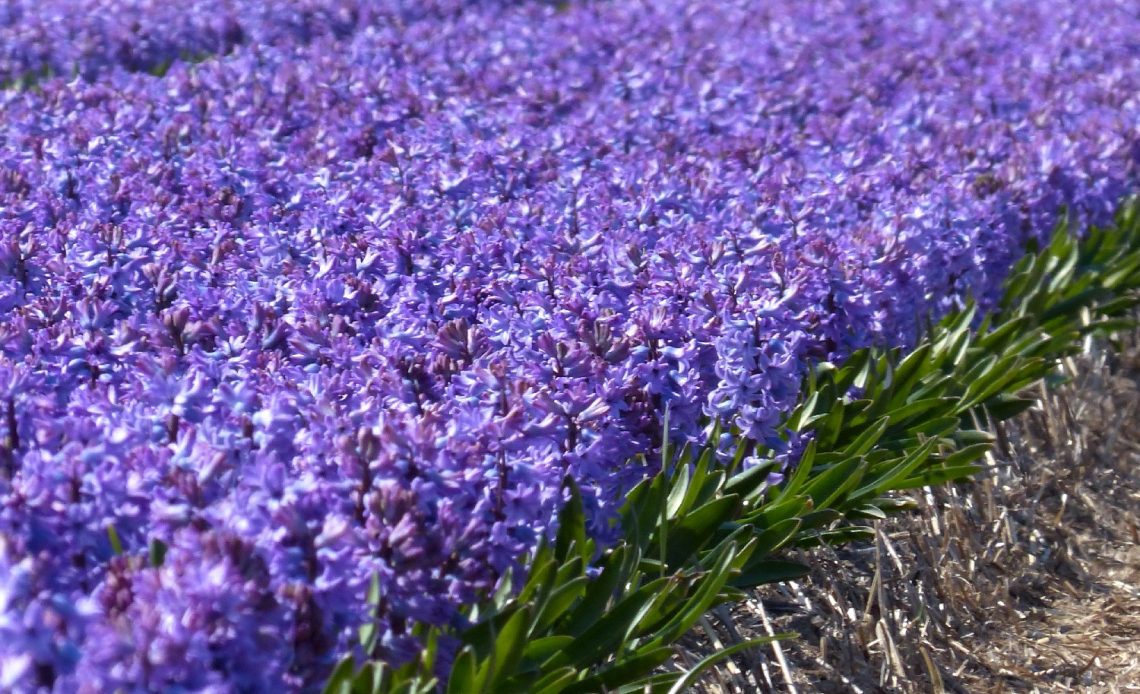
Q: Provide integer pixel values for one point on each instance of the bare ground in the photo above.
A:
(1027, 580)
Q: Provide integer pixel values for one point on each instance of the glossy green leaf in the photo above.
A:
(704, 664)
(340, 680)
(769, 571)
(540, 650)
(621, 672)
(694, 530)
(464, 673)
(114, 539)
(571, 523)
(826, 488)
(940, 475)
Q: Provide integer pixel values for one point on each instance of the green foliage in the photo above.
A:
(698, 533)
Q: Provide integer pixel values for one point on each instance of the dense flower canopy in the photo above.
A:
(348, 294)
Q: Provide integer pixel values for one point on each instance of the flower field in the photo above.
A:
(308, 309)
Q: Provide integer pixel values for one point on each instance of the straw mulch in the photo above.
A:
(1027, 580)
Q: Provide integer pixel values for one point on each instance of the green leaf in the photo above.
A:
(818, 519)
(623, 671)
(483, 635)
(838, 536)
(571, 523)
(867, 511)
(340, 681)
(967, 437)
(654, 684)
(704, 664)
(543, 648)
(647, 513)
(701, 487)
(555, 681)
(746, 482)
(115, 540)
(744, 446)
(602, 634)
(801, 416)
(599, 591)
(828, 429)
(157, 552)
(889, 478)
(997, 340)
(829, 486)
(936, 427)
(694, 530)
(793, 484)
(368, 679)
(704, 596)
(966, 455)
(905, 413)
(940, 475)
(508, 650)
(912, 368)
(504, 588)
(1007, 407)
(772, 514)
(367, 632)
(542, 572)
(769, 571)
(678, 492)
(464, 677)
(867, 439)
(777, 536)
(558, 604)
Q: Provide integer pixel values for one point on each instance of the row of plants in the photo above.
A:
(308, 309)
(700, 534)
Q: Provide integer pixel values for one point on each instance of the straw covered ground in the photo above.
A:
(1027, 580)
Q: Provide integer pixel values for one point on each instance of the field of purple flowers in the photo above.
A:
(348, 294)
